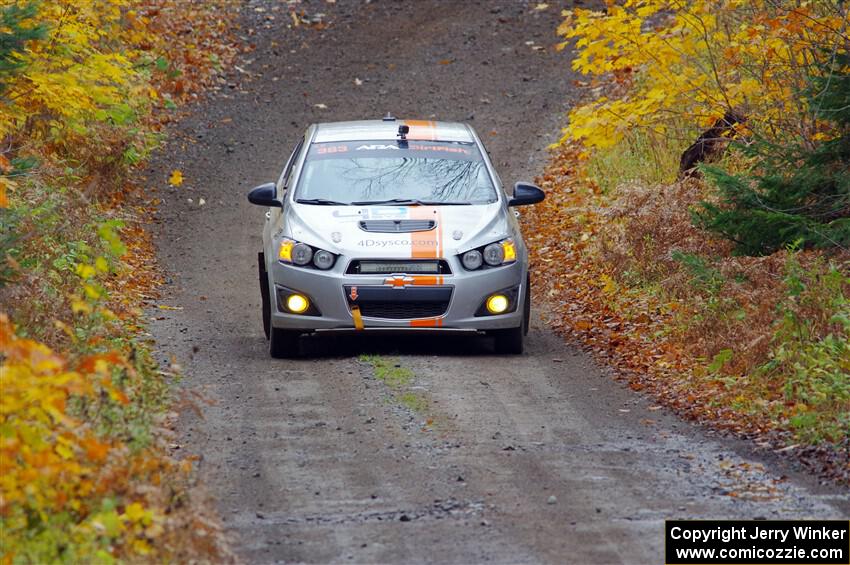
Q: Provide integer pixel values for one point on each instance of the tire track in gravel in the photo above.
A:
(316, 460)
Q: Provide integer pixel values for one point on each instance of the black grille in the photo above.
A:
(397, 226)
(402, 310)
(401, 266)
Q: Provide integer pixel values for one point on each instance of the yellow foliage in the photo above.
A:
(44, 463)
(52, 464)
(76, 76)
(691, 61)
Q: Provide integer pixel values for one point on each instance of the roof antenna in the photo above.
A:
(389, 117)
(403, 130)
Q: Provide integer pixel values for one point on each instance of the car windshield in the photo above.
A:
(391, 172)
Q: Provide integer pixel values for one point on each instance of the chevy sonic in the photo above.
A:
(392, 226)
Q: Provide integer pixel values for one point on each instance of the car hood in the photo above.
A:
(340, 229)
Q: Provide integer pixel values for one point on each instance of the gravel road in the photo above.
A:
(457, 455)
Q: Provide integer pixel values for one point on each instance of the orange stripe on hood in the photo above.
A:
(426, 244)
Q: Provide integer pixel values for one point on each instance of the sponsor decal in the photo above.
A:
(414, 243)
(377, 147)
(376, 213)
(411, 147)
(331, 149)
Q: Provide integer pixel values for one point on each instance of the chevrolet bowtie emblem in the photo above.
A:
(398, 281)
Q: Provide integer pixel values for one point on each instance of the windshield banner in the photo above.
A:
(395, 150)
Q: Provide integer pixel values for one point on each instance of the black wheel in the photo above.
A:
(509, 341)
(264, 294)
(526, 306)
(283, 344)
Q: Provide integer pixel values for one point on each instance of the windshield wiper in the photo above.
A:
(407, 201)
(321, 202)
(390, 201)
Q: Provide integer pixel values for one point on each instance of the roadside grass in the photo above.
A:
(754, 345)
(399, 378)
(640, 158)
(389, 370)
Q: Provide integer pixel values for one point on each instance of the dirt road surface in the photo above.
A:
(458, 455)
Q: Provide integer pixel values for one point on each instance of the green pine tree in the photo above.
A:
(17, 26)
(796, 194)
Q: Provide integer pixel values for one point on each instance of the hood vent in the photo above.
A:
(397, 226)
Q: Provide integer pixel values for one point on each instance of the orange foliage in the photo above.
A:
(604, 265)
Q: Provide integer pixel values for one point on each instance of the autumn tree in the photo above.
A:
(669, 69)
(16, 29)
(797, 195)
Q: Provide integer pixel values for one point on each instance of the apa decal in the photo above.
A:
(377, 147)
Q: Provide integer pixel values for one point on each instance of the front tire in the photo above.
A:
(265, 296)
(283, 344)
(509, 341)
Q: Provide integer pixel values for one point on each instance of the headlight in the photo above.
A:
(471, 259)
(303, 255)
(323, 259)
(496, 254)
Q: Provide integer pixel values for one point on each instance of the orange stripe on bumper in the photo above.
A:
(427, 323)
(427, 280)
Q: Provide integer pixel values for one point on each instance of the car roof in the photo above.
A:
(377, 130)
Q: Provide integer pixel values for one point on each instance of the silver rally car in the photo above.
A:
(392, 225)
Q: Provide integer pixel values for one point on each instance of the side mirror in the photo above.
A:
(265, 195)
(526, 193)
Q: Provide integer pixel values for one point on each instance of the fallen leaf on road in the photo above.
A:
(358, 82)
(176, 178)
(541, 6)
(167, 307)
(320, 106)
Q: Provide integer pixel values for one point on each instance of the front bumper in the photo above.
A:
(330, 292)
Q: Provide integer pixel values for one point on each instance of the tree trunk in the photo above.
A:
(710, 145)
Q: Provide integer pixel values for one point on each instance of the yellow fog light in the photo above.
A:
(497, 303)
(297, 303)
